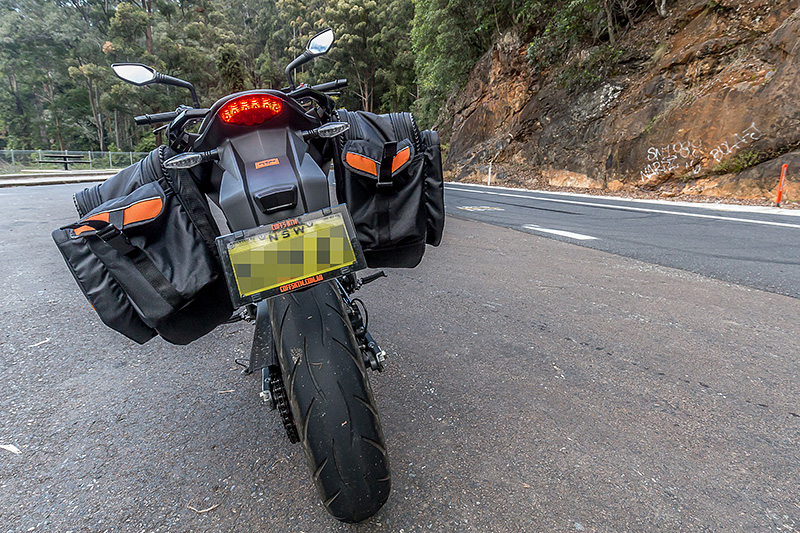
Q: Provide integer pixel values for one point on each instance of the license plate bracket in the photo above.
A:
(290, 254)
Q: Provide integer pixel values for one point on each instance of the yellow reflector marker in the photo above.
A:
(279, 257)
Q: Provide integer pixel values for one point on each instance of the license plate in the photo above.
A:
(290, 255)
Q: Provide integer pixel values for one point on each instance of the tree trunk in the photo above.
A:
(372, 91)
(362, 84)
(58, 133)
(44, 139)
(108, 125)
(51, 98)
(98, 118)
(609, 21)
(661, 7)
(116, 129)
(147, 5)
(100, 132)
(100, 128)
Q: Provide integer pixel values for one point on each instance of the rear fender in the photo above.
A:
(266, 167)
(262, 354)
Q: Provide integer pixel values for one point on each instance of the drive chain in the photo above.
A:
(281, 400)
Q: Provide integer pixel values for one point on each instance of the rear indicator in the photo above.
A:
(250, 110)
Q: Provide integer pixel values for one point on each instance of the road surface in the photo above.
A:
(532, 385)
(757, 247)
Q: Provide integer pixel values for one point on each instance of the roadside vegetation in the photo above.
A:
(58, 92)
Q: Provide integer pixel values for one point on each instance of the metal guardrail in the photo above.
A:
(18, 161)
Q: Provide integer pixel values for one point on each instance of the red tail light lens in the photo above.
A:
(250, 110)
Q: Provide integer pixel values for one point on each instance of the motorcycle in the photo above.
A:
(264, 157)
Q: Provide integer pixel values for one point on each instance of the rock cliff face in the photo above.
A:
(706, 101)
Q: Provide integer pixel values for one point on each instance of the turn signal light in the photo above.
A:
(250, 110)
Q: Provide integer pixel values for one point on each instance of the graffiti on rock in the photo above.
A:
(686, 156)
(748, 136)
(681, 155)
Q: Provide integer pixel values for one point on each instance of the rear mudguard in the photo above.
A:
(269, 175)
(262, 353)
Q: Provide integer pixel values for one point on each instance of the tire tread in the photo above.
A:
(334, 430)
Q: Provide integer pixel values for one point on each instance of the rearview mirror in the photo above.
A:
(320, 43)
(134, 73)
(139, 74)
(317, 46)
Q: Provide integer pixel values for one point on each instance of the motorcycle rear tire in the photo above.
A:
(331, 401)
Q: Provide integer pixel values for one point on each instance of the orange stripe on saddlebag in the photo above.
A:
(99, 216)
(364, 164)
(144, 210)
(400, 158)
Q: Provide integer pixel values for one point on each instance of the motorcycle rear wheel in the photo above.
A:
(331, 401)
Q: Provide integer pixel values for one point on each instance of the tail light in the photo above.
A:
(250, 110)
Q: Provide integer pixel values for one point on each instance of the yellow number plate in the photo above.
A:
(290, 255)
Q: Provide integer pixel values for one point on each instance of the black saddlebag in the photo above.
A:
(143, 253)
(390, 177)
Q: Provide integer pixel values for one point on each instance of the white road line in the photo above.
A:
(635, 209)
(480, 208)
(759, 209)
(562, 233)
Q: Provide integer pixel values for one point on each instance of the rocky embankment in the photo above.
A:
(703, 102)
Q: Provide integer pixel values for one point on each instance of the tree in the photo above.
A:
(446, 45)
(94, 79)
(57, 89)
(357, 53)
(230, 68)
(661, 7)
(372, 50)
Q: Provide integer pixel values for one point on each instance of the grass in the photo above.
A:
(739, 163)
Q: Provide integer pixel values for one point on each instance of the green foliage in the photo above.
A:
(146, 144)
(57, 91)
(583, 74)
(446, 44)
(571, 24)
(128, 27)
(740, 163)
(371, 50)
(230, 68)
(448, 37)
(568, 24)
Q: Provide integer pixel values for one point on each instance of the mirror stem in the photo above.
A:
(169, 80)
(299, 60)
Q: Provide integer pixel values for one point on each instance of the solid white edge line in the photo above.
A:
(562, 233)
(638, 209)
(701, 205)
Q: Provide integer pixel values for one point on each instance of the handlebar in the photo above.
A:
(189, 113)
(155, 118)
(330, 86)
(194, 113)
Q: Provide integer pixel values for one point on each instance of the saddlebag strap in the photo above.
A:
(385, 178)
(115, 238)
(385, 187)
(190, 197)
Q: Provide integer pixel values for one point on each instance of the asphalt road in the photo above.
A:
(753, 246)
(533, 385)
